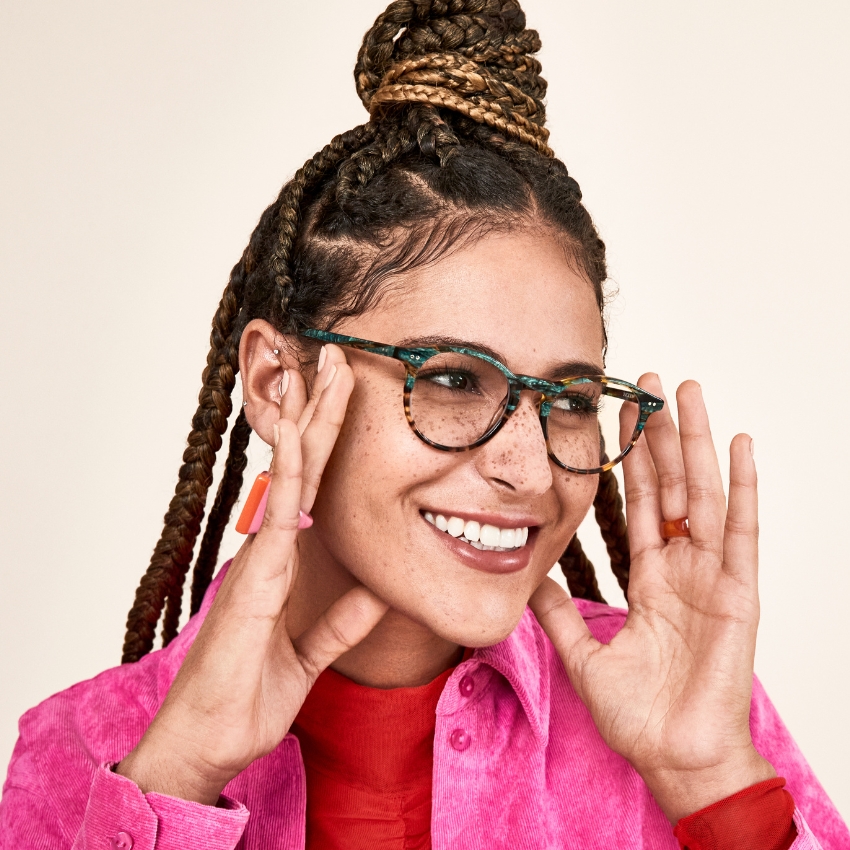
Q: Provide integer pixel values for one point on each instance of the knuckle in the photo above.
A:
(279, 521)
(672, 480)
(702, 491)
(637, 493)
(742, 527)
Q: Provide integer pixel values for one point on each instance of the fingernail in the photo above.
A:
(304, 520)
(331, 373)
(753, 447)
(284, 383)
(322, 356)
(276, 433)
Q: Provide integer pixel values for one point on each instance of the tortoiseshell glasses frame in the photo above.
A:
(415, 358)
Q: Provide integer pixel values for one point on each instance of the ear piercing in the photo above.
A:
(244, 404)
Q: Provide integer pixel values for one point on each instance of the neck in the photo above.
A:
(397, 653)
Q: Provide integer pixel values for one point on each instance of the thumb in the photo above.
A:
(560, 619)
(339, 629)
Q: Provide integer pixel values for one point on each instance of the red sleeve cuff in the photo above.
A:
(760, 817)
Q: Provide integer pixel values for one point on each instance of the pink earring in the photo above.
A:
(251, 518)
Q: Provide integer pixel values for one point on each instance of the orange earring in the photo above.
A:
(251, 518)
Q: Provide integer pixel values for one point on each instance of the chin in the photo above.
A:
(483, 621)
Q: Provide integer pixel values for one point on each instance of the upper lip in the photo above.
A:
(486, 518)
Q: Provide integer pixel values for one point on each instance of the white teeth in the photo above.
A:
(490, 535)
(456, 526)
(486, 537)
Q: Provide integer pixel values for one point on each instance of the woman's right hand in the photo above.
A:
(244, 680)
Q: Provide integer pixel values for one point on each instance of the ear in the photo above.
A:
(264, 355)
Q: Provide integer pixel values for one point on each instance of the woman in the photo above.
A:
(418, 324)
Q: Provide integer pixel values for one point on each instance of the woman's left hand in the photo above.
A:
(671, 692)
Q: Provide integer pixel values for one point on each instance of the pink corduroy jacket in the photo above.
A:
(531, 771)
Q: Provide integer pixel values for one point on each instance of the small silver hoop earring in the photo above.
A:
(244, 404)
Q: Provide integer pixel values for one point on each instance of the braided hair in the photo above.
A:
(455, 142)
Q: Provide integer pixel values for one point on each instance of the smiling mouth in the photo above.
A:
(488, 538)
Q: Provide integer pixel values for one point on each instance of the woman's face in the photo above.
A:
(516, 294)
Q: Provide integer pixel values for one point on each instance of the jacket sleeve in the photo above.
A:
(117, 815)
(818, 823)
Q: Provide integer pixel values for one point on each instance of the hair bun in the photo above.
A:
(470, 56)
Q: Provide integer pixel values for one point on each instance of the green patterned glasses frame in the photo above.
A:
(456, 398)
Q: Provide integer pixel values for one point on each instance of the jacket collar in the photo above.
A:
(522, 658)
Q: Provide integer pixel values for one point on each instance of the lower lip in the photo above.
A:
(484, 560)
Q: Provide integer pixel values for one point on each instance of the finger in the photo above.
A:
(332, 358)
(665, 448)
(321, 433)
(741, 532)
(269, 555)
(294, 398)
(643, 507)
(339, 629)
(558, 616)
(706, 501)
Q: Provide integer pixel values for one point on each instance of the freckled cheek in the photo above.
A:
(575, 497)
(377, 457)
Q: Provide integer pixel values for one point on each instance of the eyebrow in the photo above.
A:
(568, 369)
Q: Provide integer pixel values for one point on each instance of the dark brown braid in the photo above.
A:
(579, 572)
(577, 568)
(173, 553)
(225, 499)
(608, 508)
(455, 148)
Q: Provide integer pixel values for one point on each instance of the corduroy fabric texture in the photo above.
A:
(518, 764)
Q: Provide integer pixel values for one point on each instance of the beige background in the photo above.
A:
(141, 141)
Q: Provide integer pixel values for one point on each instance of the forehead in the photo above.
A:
(517, 293)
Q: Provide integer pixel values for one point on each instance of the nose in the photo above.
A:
(516, 457)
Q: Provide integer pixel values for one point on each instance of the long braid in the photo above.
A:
(173, 552)
(579, 572)
(608, 508)
(225, 499)
(172, 555)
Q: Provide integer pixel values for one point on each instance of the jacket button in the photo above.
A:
(460, 739)
(122, 841)
(466, 686)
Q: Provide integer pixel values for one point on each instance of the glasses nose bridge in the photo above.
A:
(527, 383)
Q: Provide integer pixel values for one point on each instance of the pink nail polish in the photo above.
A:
(304, 520)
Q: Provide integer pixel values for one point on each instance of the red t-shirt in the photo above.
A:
(369, 757)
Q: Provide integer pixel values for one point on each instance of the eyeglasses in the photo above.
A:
(457, 398)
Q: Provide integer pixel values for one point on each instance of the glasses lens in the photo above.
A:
(581, 413)
(457, 398)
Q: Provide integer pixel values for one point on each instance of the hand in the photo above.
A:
(244, 680)
(671, 692)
